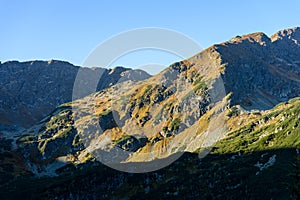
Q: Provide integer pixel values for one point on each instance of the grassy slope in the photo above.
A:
(229, 171)
(275, 129)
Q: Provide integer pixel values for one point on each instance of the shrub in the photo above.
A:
(175, 124)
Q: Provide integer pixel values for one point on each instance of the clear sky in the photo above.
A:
(70, 30)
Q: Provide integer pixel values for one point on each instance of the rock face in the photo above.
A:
(261, 71)
(183, 108)
(31, 90)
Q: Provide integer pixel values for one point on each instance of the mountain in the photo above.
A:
(258, 159)
(261, 71)
(31, 90)
(183, 108)
(225, 121)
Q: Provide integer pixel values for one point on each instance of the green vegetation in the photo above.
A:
(175, 124)
(233, 112)
(147, 89)
(65, 133)
(76, 141)
(216, 176)
(106, 112)
(121, 139)
(42, 146)
(199, 85)
(282, 132)
(198, 80)
(26, 138)
(165, 129)
(230, 170)
(294, 100)
(62, 116)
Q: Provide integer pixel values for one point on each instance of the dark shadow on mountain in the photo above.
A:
(254, 175)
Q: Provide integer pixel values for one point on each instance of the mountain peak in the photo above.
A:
(290, 33)
(258, 37)
(118, 69)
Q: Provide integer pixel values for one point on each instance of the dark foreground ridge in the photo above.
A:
(217, 176)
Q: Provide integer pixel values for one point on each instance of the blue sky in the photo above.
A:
(70, 30)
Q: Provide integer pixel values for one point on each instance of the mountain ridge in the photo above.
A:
(34, 88)
(176, 110)
(228, 114)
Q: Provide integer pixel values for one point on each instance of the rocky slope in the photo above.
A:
(31, 90)
(261, 71)
(183, 108)
(259, 159)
